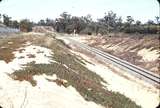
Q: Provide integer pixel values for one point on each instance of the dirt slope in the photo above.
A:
(141, 50)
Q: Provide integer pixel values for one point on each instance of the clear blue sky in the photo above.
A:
(40, 9)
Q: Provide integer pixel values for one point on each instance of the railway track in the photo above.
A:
(139, 72)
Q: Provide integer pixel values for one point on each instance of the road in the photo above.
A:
(139, 72)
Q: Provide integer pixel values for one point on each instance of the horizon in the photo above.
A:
(142, 10)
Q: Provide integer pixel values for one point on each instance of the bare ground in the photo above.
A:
(138, 49)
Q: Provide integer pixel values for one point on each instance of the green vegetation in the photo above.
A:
(25, 25)
(90, 89)
(110, 23)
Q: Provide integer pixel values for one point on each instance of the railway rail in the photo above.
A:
(139, 72)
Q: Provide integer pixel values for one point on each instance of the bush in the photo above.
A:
(25, 25)
(89, 33)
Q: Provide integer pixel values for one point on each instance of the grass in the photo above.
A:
(8, 48)
(87, 83)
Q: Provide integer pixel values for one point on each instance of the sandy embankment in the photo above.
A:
(16, 94)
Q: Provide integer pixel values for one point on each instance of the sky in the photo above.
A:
(35, 10)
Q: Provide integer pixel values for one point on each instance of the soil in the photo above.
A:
(138, 49)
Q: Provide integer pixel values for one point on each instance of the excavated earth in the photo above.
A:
(138, 49)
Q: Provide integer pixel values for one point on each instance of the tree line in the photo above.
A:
(67, 23)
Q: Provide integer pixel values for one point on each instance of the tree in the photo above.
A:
(128, 26)
(150, 22)
(77, 23)
(68, 23)
(50, 22)
(6, 20)
(138, 23)
(138, 27)
(65, 15)
(25, 25)
(62, 23)
(150, 26)
(157, 19)
(87, 19)
(130, 20)
(42, 22)
(110, 21)
(15, 24)
(119, 24)
(65, 20)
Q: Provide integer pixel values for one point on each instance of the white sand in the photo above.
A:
(41, 55)
(148, 55)
(16, 94)
(137, 90)
(44, 95)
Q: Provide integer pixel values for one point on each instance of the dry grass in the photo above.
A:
(8, 49)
